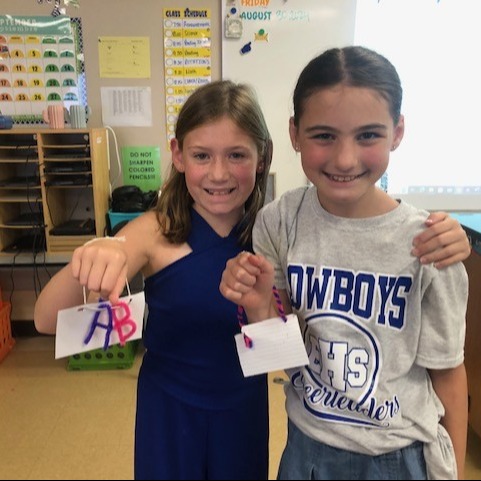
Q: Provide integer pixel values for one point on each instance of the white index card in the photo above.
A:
(73, 325)
(276, 345)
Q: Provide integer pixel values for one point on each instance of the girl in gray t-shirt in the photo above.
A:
(384, 395)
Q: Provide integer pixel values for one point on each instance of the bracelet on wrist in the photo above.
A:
(117, 239)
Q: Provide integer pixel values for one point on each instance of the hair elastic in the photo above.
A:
(96, 239)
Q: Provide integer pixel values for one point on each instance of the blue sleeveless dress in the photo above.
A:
(197, 416)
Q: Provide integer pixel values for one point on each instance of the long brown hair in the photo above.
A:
(207, 104)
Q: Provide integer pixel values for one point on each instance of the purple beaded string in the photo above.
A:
(241, 317)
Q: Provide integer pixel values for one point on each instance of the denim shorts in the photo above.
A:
(305, 458)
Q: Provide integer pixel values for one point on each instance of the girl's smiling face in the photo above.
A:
(220, 162)
(345, 135)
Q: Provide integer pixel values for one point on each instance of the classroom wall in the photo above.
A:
(143, 18)
(293, 33)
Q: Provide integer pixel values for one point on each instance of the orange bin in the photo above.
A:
(6, 340)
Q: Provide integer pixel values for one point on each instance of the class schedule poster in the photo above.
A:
(187, 57)
(41, 64)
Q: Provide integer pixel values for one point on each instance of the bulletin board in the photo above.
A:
(41, 63)
(266, 44)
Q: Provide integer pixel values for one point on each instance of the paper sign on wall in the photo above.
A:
(126, 106)
(141, 167)
(124, 57)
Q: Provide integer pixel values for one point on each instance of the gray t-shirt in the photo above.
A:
(373, 320)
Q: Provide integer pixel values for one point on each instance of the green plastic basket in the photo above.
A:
(115, 357)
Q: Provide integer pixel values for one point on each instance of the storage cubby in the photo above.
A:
(54, 189)
(22, 224)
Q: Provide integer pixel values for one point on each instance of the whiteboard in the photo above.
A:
(437, 163)
(285, 35)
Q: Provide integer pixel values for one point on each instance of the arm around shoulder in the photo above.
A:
(444, 242)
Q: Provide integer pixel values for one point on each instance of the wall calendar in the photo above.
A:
(41, 64)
